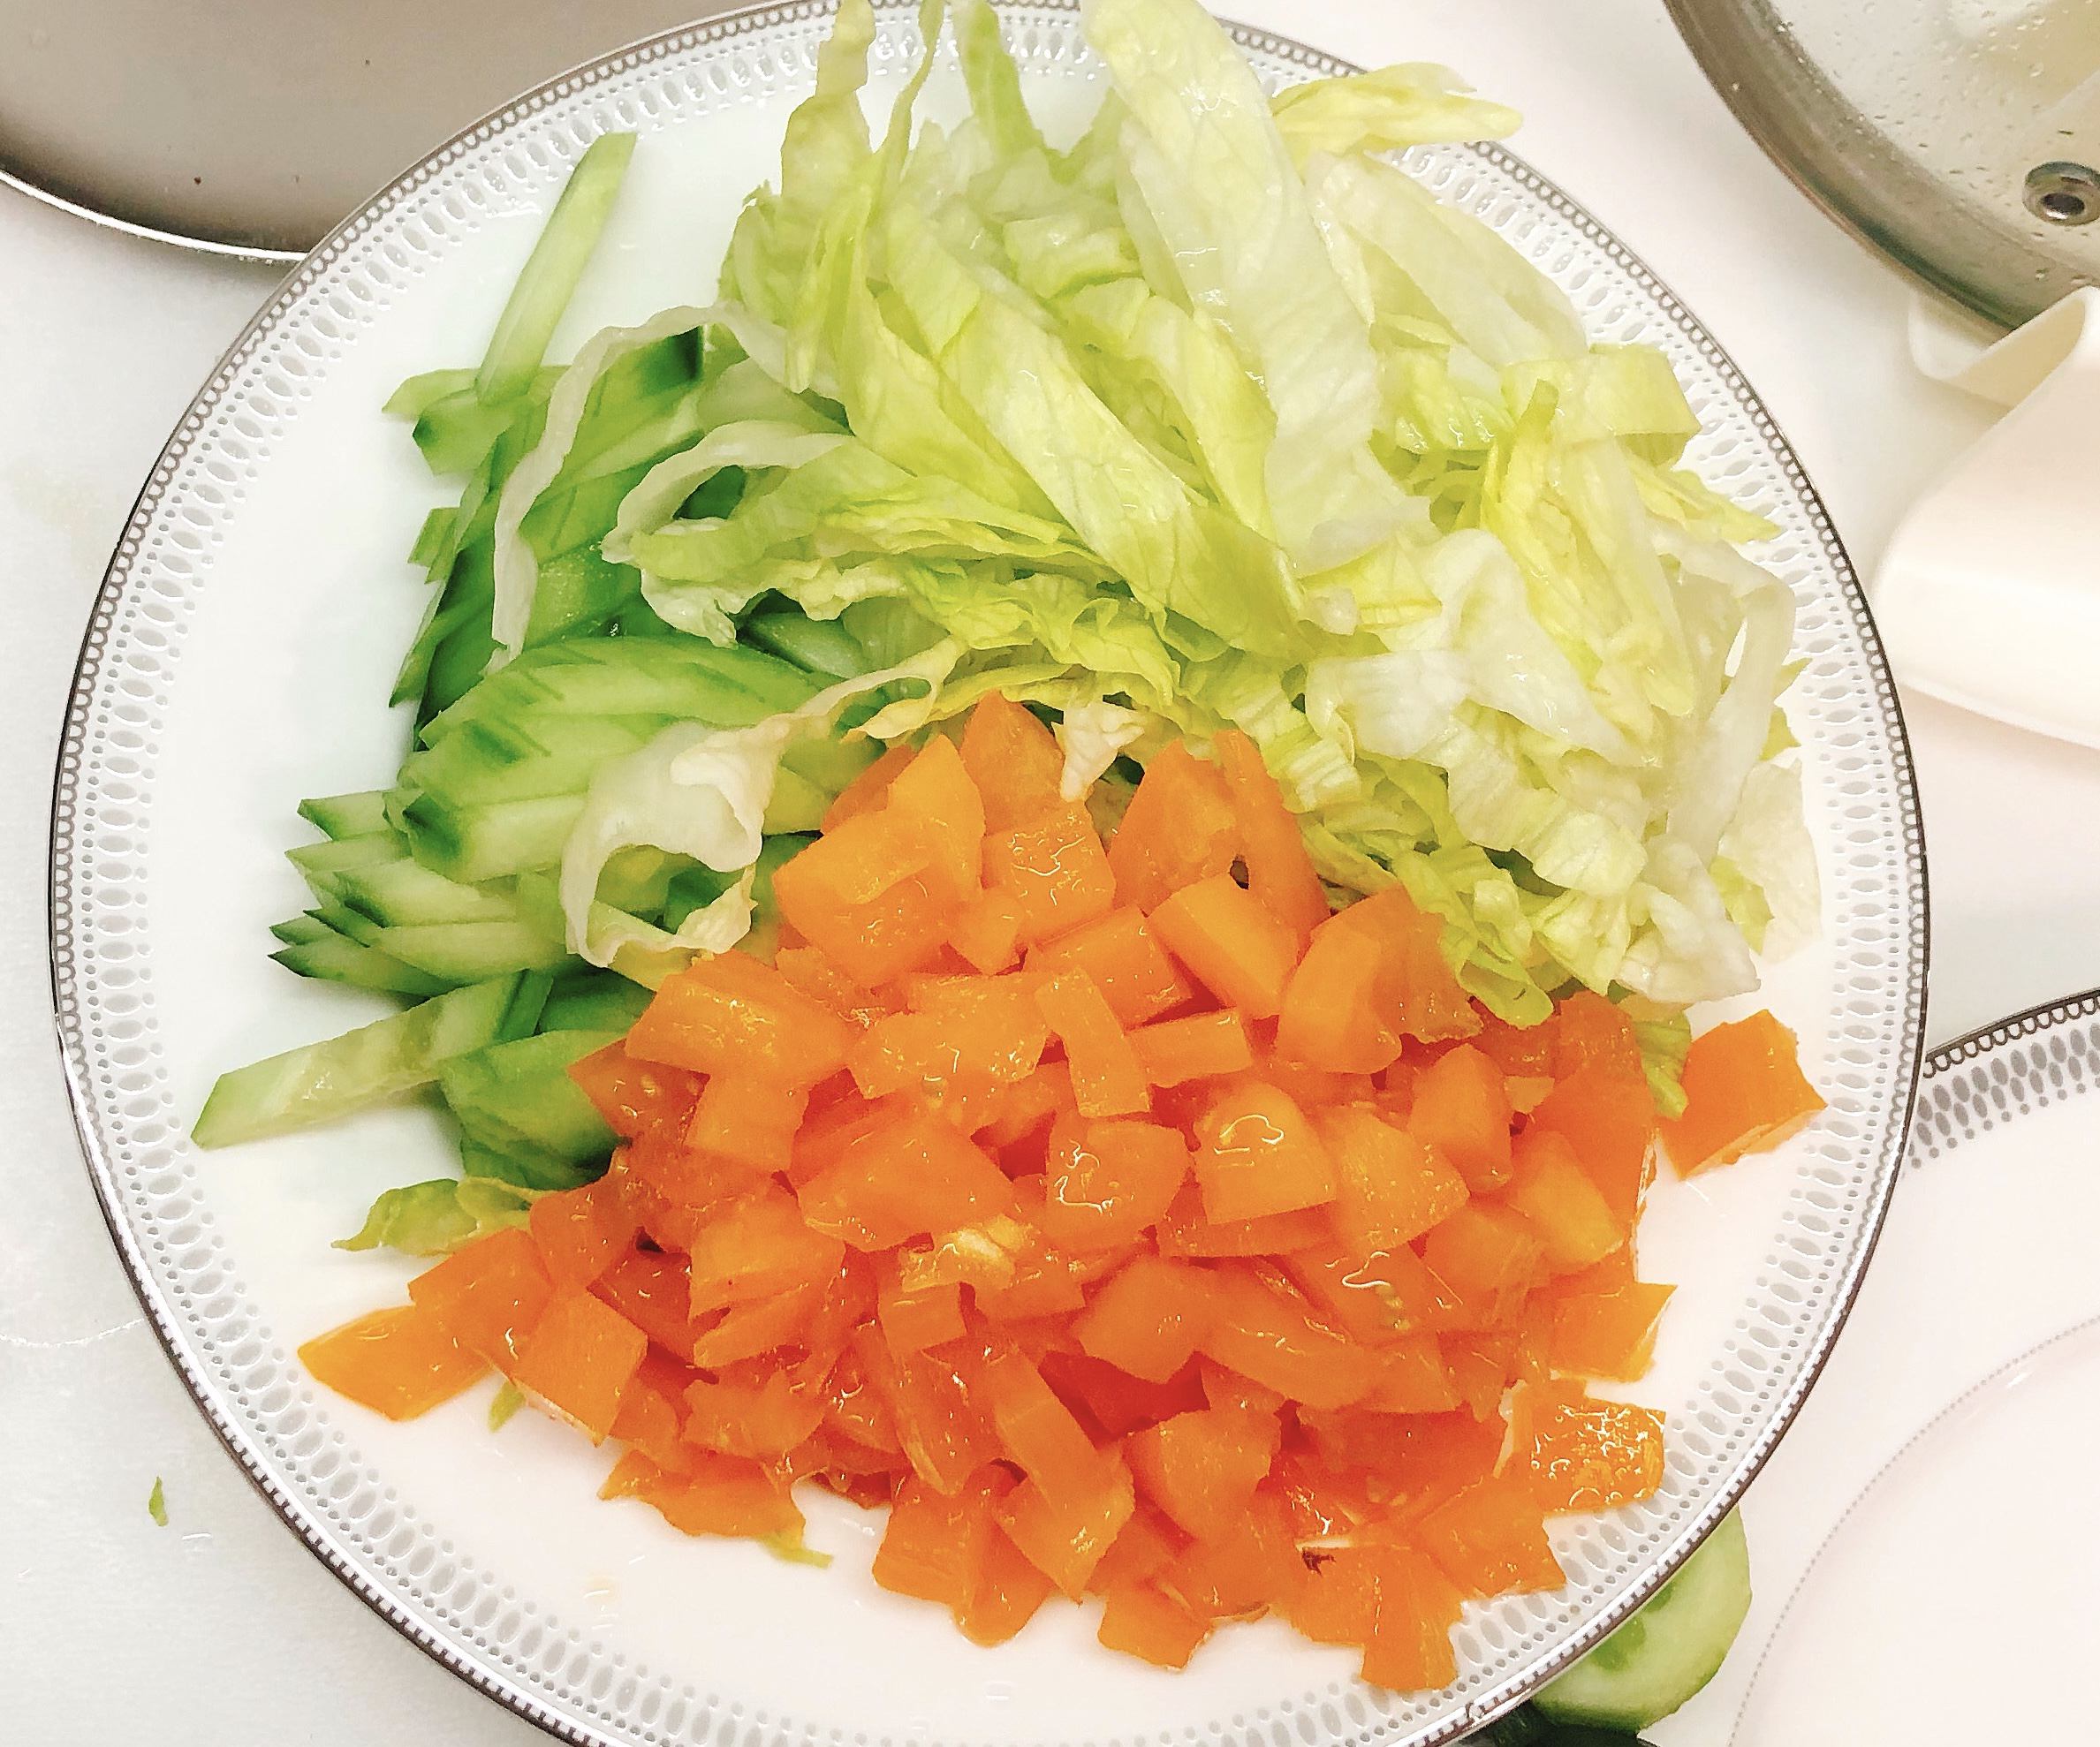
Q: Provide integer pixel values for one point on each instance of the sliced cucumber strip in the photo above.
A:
(467, 952)
(1657, 1660)
(331, 958)
(487, 842)
(321, 1081)
(517, 1098)
(592, 1001)
(346, 815)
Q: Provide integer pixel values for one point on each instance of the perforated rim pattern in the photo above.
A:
(245, 1381)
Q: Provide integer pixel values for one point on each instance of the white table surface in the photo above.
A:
(219, 1628)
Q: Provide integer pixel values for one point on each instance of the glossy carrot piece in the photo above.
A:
(1462, 1108)
(1149, 1319)
(1204, 1046)
(1419, 995)
(1064, 1537)
(633, 1095)
(1549, 1186)
(732, 1015)
(654, 1291)
(1334, 1015)
(1053, 867)
(748, 1119)
(1744, 1092)
(910, 1175)
(1257, 1153)
(1108, 1182)
(1125, 962)
(578, 1361)
(1180, 829)
(1610, 1334)
(1201, 1469)
(1106, 1077)
(1392, 1186)
(986, 931)
(1581, 1454)
(1231, 944)
(399, 1362)
(1610, 1120)
(488, 1294)
(581, 1232)
(1278, 870)
(1012, 759)
(1491, 1539)
(935, 796)
(1142, 1619)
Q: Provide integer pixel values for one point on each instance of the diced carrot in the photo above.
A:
(757, 1326)
(1410, 1650)
(900, 927)
(1744, 1092)
(959, 1028)
(943, 1431)
(1481, 1363)
(1144, 1547)
(1392, 1186)
(1188, 1231)
(632, 1095)
(1231, 941)
(577, 1362)
(1491, 1539)
(1035, 1430)
(1009, 1591)
(1348, 1295)
(755, 1248)
(986, 931)
(1112, 1403)
(1149, 1319)
(760, 1418)
(807, 969)
(1487, 1255)
(1589, 1031)
(1527, 1091)
(1585, 1454)
(1106, 1183)
(1334, 1015)
(1202, 1468)
(1609, 1335)
(1412, 1378)
(487, 1295)
(934, 793)
(730, 1014)
(722, 1495)
(1278, 870)
(1418, 992)
(1522, 1052)
(1610, 1120)
(933, 1545)
(581, 1232)
(910, 1174)
(869, 790)
(749, 1119)
(1106, 1079)
(1064, 1537)
(914, 1320)
(1201, 1047)
(1461, 1109)
(1257, 1153)
(1179, 828)
(400, 1361)
(652, 1291)
(1251, 1566)
(1263, 1330)
(1052, 865)
(1129, 967)
(1338, 1601)
(1012, 759)
(1549, 1186)
(1142, 1620)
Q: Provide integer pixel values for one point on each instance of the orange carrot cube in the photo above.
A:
(1149, 1319)
(1053, 867)
(400, 1361)
(1549, 1186)
(1278, 870)
(1012, 759)
(1392, 1186)
(1128, 965)
(732, 1015)
(1744, 1092)
(1460, 1108)
(1204, 1046)
(1257, 1153)
(488, 1294)
(1107, 1183)
(578, 1361)
(1178, 829)
(1610, 1120)
(1106, 1079)
(1142, 1619)
(1231, 941)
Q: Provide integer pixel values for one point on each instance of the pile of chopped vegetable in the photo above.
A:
(1126, 1220)
(1054, 856)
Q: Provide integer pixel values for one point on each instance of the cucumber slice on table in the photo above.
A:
(381, 1060)
(1524, 1727)
(1657, 1660)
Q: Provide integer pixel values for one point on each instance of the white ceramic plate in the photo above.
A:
(1928, 1524)
(246, 635)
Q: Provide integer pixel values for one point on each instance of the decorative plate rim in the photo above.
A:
(1885, 1168)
